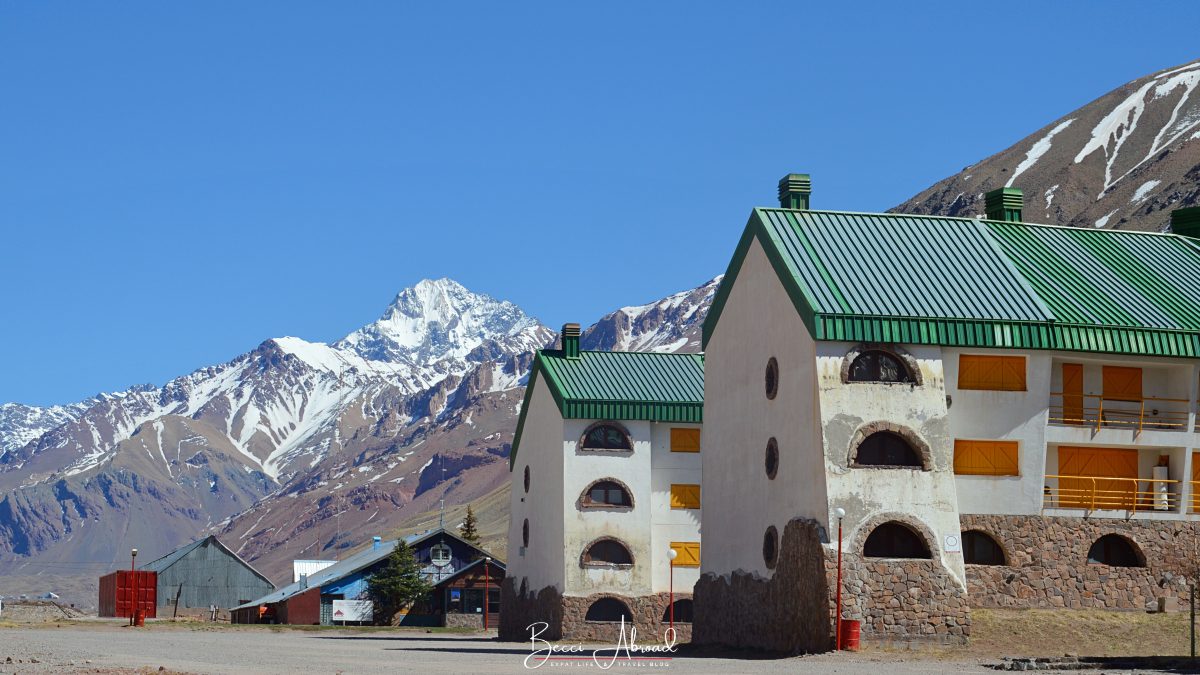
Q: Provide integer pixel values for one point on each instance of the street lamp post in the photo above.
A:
(671, 555)
(487, 590)
(840, 513)
(133, 585)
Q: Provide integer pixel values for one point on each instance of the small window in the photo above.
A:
(685, 440)
(606, 493)
(980, 549)
(878, 366)
(687, 553)
(685, 496)
(772, 459)
(1116, 551)
(771, 547)
(527, 480)
(893, 540)
(772, 378)
(525, 533)
(606, 437)
(439, 554)
(609, 609)
(991, 373)
(884, 448)
(607, 553)
(683, 611)
(985, 458)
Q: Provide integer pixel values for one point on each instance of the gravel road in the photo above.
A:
(108, 648)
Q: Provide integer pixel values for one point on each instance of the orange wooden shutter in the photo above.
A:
(685, 440)
(688, 553)
(1195, 481)
(986, 458)
(991, 372)
(1072, 389)
(1122, 384)
(684, 496)
(1089, 463)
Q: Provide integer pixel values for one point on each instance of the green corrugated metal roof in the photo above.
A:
(966, 282)
(619, 386)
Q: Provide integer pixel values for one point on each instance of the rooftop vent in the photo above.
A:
(1004, 204)
(570, 340)
(794, 191)
(1186, 221)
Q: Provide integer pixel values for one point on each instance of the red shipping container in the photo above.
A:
(117, 593)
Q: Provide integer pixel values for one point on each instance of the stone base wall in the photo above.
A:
(785, 613)
(453, 620)
(900, 601)
(565, 616)
(1048, 564)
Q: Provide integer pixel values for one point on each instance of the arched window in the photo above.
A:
(607, 553)
(878, 366)
(894, 540)
(606, 437)
(683, 611)
(1117, 551)
(606, 493)
(884, 448)
(980, 549)
(608, 609)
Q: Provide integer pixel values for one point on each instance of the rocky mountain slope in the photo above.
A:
(1122, 161)
(295, 449)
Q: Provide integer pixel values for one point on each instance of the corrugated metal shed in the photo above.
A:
(976, 283)
(206, 573)
(619, 386)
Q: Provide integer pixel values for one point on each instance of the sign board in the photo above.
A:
(353, 610)
(952, 544)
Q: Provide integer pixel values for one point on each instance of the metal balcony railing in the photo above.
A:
(1096, 493)
(1095, 411)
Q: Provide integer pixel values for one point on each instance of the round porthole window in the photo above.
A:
(525, 533)
(772, 378)
(771, 547)
(772, 460)
(527, 480)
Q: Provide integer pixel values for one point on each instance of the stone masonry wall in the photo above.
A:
(1048, 563)
(785, 613)
(519, 608)
(565, 616)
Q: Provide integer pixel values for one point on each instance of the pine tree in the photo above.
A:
(397, 585)
(469, 530)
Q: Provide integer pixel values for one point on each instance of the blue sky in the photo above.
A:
(181, 181)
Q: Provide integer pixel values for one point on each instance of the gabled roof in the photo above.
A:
(977, 283)
(618, 386)
(472, 565)
(178, 554)
(355, 563)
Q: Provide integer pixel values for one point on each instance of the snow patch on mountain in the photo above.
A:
(1035, 153)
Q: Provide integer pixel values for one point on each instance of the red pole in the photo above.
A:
(133, 585)
(487, 590)
(838, 625)
(671, 607)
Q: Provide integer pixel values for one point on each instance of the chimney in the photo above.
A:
(570, 340)
(794, 190)
(303, 580)
(376, 542)
(1004, 204)
(1186, 222)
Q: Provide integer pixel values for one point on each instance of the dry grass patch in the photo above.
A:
(1055, 632)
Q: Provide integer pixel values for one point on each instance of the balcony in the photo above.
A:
(1134, 413)
(1132, 495)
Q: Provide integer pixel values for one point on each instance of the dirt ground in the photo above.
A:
(107, 647)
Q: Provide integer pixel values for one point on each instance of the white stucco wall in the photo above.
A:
(667, 524)
(739, 502)
(542, 451)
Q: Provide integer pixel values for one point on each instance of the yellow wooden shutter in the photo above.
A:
(688, 553)
(684, 496)
(1122, 384)
(1097, 463)
(992, 373)
(685, 440)
(986, 458)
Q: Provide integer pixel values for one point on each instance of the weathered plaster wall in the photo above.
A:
(542, 451)
(1047, 563)
(740, 502)
(851, 411)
